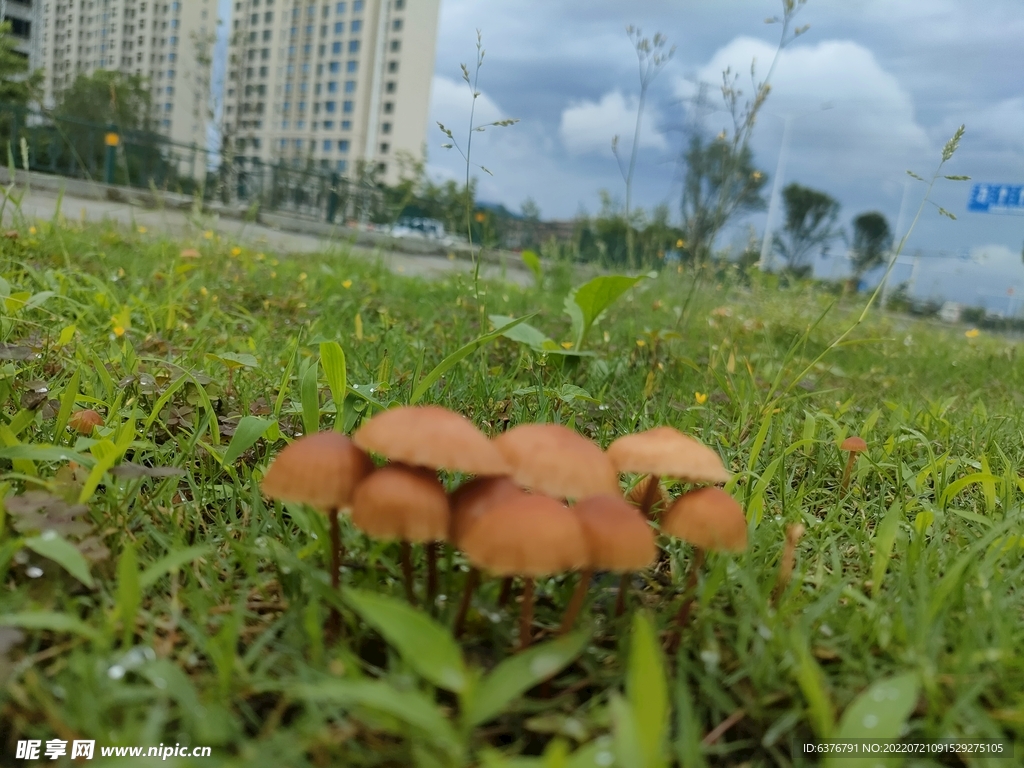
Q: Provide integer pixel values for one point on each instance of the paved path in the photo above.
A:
(38, 204)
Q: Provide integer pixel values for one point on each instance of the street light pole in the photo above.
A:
(773, 201)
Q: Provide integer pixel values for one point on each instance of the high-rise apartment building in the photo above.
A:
(25, 18)
(170, 43)
(329, 84)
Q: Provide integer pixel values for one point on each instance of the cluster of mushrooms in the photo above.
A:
(543, 500)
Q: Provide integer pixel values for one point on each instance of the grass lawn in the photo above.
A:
(150, 595)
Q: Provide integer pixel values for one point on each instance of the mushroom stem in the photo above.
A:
(472, 579)
(431, 573)
(334, 620)
(579, 594)
(793, 535)
(846, 472)
(407, 572)
(506, 592)
(526, 614)
(683, 617)
(650, 495)
(620, 601)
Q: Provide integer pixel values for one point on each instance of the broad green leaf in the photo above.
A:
(67, 403)
(37, 452)
(249, 430)
(129, 593)
(878, 713)
(51, 546)
(594, 297)
(532, 262)
(231, 360)
(626, 743)
(647, 691)
(457, 356)
(49, 621)
(951, 490)
(885, 538)
(169, 562)
(124, 440)
(524, 333)
(309, 396)
(518, 674)
(411, 707)
(425, 645)
(811, 680)
(762, 435)
(332, 358)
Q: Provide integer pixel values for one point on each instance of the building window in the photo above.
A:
(340, 8)
(346, 107)
(334, 67)
(339, 27)
(350, 86)
(357, 6)
(346, 125)
(399, 5)
(332, 87)
(328, 125)
(389, 107)
(390, 87)
(342, 165)
(396, 45)
(385, 128)
(384, 148)
(392, 66)
(351, 66)
(330, 106)
(396, 24)
(336, 47)
(327, 145)
(382, 168)
(353, 46)
(298, 143)
(343, 145)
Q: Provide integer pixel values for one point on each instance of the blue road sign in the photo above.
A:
(997, 198)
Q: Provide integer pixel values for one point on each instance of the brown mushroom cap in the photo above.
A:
(854, 444)
(84, 421)
(401, 502)
(555, 460)
(474, 499)
(618, 536)
(667, 452)
(708, 518)
(527, 535)
(433, 437)
(321, 470)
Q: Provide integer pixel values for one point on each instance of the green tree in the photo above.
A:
(811, 218)
(108, 97)
(720, 180)
(17, 84)
(872, 239)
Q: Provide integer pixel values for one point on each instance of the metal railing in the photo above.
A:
(63, 146)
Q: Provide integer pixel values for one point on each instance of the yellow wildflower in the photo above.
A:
(700, 397)
(118, 331)
(236, 251)
(32, 230)
(203, 291)
(208, 234)
(641, 343)
(143, 230)
(972, 334)
(346, 284)
(566, 345)
(302, 276)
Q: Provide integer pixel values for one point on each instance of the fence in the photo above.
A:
(78, 149)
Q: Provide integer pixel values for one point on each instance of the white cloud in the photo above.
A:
(588, 126)
(868, 128)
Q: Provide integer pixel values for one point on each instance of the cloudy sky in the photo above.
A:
(874, 88)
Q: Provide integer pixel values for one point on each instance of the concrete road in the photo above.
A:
(42, 205)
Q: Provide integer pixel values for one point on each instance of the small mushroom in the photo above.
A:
(665, 452)
(404, 503)
(854, 445)
(529, 535)
(553, 459)
(710, 519)
(619, 539)
(83, 422)
(794, 533)
(468, 504)
(321, 470)
(433, 437)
